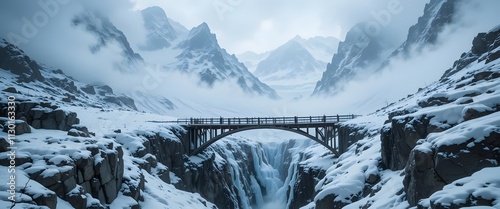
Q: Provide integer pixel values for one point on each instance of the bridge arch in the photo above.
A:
(268, 127)
(203, 132)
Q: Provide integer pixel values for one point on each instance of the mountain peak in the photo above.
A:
(200, 37)
(298, 37)
(203, 27)
(154, 10)
(160, 31)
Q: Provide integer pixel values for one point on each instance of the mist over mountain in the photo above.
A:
(363, 54)
(293, 67)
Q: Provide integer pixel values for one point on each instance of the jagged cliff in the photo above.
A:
(440, 139)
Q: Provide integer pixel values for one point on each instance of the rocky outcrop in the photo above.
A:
(21, 127)
(483, 49)
(428, 170)
(79, 130)
(401, 137)
(303, 190)
(96, 169)
(351, 133)
(431, 162)
(12, 58)
(43, 115)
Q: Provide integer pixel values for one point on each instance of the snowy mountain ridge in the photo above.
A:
(197, 52)
(357, 52)
(33, 81)
(363, 55)
(293, 67)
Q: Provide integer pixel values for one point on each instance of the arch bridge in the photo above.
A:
(202, 132)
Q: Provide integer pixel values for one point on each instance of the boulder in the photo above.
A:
(328, 203)
(11, 90)
(85, 166)
(4, 145)
(77, 198)
(79, 130)
(13, 59)
(421, 180)
(89, 89)
(102, 169)
(48, 199)
(21, 126)
(110, 191)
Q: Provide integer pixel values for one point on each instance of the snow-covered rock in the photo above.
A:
(438, 136)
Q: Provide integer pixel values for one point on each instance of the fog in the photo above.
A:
(59, 44)
(259, 25)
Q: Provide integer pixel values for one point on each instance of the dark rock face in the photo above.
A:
(21, 126)
(13, 59)
(421, 180)
(77, 198)
(428, 171)
(10, 90)
(457, 161)
(303, 190)
(349, 134)
(89, 89)
(483, 44)
(329, 203)
(210, 180)
(121, 101)
(401, 137)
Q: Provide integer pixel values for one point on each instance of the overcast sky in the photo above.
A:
(260, 25)
(240, 25)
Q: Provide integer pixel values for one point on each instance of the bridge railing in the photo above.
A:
(265, 120)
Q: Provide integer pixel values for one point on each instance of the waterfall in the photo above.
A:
(264, 173)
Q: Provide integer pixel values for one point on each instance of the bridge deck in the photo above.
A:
(265, 121)
(202, 132)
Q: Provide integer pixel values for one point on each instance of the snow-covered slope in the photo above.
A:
(445, 134)
(29, 80)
